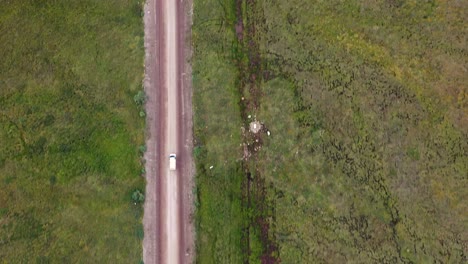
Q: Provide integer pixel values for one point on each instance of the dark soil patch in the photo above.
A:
(254, 199)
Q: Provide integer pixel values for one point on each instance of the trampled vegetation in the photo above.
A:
(365, 103)
(70, 131)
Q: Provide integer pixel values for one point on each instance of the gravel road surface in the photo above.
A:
(168, 206)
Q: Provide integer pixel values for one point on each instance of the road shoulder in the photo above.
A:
(151, 78)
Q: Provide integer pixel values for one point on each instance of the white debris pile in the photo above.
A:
(255, 127)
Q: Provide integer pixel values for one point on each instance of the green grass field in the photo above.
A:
(371, 134)
(366, 105)
(70, 131)
(217, 132)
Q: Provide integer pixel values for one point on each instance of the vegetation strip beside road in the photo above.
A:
(245, 185)
(70, 132)
(217, 133)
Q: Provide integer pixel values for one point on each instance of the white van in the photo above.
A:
(172, 161)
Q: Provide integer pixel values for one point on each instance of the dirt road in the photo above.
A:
(167, 219)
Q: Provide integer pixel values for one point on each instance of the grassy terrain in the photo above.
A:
(70, 131)
(217, 137)
(366, 105)
(366, 102)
